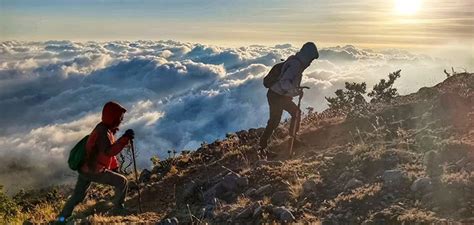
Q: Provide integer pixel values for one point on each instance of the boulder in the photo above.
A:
(250, 192)
(281, 197)
(233, 182)
(229, 181)
(422, 184)
(353, 183)
(263, 190)
(249, 211)
(283, 214)
(393, 178)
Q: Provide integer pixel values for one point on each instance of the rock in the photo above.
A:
(246, 213)
(210, 195)
(429, 157)
(309, 186)
(229, 181)
(353, 183)
(250, 192)
(145, 176)
(242, 182)
(258, 211)
(209, 212)
(263, 190)
(233, 182)
(281, 197)
(189, 189)
(422, 184)
(393, 178)
(249, 211)
(283, 214)
(172, 221)
(344, 176)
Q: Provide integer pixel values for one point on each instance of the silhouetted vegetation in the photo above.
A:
(384, 91)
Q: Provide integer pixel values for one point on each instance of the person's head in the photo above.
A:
(112, 114)
(308, 53)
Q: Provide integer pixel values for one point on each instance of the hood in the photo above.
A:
(111, 114)
(308, 53)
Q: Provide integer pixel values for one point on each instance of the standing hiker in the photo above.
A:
(101, 149)
(284, 87)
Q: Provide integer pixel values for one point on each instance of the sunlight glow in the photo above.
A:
(407, 7)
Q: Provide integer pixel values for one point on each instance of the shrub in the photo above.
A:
(384, 91)
(349, 99)
(8, 208)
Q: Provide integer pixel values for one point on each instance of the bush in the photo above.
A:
(8, 208)
(384, 91)
(349, 99)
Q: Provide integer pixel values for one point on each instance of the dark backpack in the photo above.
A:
(78, 154)
(273, 76)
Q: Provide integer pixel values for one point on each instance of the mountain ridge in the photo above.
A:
(407, 161)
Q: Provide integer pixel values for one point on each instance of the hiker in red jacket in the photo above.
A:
(100, 160)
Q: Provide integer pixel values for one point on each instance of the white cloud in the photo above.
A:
(178, 94)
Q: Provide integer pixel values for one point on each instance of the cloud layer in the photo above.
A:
(178, 94)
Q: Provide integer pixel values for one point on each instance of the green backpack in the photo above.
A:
(78, 154)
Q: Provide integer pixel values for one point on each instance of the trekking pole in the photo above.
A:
(296, 123)
(136, 176)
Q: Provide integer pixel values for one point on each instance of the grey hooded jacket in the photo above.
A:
(292, 70)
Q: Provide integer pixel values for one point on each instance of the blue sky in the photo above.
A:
(368, 23)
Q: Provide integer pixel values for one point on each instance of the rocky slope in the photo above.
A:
(408, 161)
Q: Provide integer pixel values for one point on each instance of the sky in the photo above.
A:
(416, 24)
(191, 71)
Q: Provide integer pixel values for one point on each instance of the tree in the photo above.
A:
(349, 99)
(384, 91)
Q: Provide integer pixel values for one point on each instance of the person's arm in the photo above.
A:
(104, 144)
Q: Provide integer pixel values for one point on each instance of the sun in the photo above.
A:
(407, 7)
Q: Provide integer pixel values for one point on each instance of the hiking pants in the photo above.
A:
(277, 104)
(84, 181)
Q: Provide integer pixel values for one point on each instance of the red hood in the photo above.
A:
(111, 114)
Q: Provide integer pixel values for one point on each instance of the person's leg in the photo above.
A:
(79, 194)
(289, 106)
(276, 111)
(117, 180)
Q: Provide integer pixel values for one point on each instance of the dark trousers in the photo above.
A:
(84, 181)
(277, 104)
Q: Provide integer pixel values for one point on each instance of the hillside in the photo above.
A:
(408, 161)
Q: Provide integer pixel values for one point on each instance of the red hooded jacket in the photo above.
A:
(101, 146)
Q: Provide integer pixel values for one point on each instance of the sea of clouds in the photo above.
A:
(177, 94)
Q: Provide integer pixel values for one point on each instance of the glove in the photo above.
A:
(130, 134)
